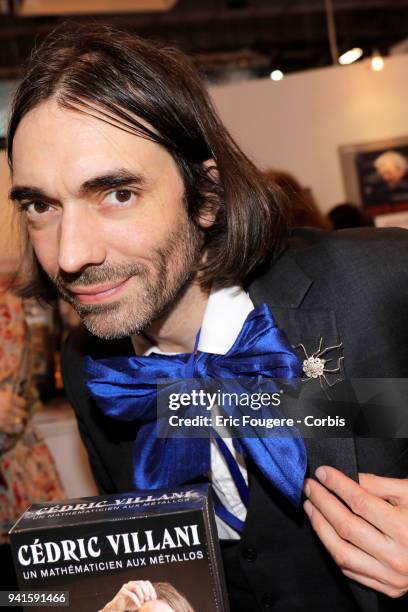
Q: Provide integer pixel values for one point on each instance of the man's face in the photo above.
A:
(106, 217)
(391, 173)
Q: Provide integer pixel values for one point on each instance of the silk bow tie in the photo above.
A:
(125, 389)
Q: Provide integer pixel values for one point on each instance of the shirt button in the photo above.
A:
(249, 554)
(267, 600)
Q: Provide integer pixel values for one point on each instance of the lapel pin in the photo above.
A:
(314, 365)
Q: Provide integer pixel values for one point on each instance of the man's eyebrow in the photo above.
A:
(19, 193)
(113, 180)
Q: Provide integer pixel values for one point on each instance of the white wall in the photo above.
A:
(298, 124)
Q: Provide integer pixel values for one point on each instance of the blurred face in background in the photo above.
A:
(106, 217)
(391, 166)
(391, 174)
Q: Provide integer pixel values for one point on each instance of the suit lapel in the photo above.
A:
(284, 289)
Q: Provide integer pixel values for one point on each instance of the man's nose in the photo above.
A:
(80, 242)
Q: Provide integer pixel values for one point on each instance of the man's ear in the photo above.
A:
(209, 209)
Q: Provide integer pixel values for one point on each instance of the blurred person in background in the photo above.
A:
(27, 470)
(303, 210)
(349, 215)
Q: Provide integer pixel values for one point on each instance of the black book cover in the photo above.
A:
(93, 546)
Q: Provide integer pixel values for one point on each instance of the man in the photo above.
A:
(145, 215)
(392, 167)
(386, 180)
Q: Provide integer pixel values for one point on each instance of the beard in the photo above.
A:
(151, 292)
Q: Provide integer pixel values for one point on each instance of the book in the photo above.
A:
(160, 544)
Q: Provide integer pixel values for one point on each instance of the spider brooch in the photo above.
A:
(314, 366)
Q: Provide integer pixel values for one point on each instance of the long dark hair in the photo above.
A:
(124, 78)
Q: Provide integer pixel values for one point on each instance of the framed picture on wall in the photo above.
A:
(375, 175)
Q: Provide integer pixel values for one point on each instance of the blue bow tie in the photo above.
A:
(125, 388)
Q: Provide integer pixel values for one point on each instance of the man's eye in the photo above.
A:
(120, 197)
(35, 208)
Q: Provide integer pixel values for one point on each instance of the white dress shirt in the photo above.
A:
(223, 319)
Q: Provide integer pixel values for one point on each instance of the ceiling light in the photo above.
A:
(377, 61)
(277, 75)
(350, 56)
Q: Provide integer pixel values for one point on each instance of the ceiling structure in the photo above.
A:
(228, 39)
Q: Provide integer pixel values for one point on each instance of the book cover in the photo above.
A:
(163, 543)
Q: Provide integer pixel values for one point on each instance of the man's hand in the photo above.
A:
(367, 535)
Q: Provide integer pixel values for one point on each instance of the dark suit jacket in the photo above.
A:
(349, 287)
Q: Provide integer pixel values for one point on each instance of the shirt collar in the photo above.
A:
(223, 319)
(224, 316)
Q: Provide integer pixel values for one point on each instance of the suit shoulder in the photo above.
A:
(373, 249)
(353, 239)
